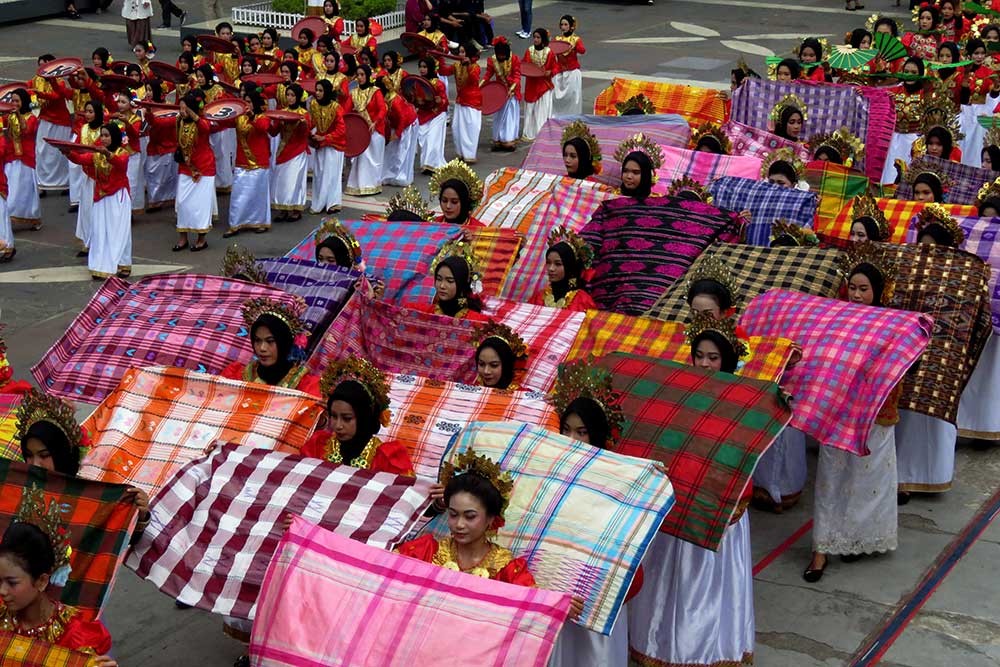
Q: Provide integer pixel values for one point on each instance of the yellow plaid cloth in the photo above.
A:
(696, 105)
(18, 651)
(898, 212)
(8, 426)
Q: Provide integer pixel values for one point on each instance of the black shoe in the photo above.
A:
(73, 209)
(902, 497)
(812, 576)
(42, 194)
(242, 661)
(82, 253)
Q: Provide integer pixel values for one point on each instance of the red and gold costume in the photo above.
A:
(439, 38)
(358, 42)
(226, 65)
(328, 121)
(110, 173)
(571, 59)
(66, 627)
(922, 46)
(576, 300)
(371, 105)
(535, 87)
(162, 135)
(467, 76)
(426, 115)
(401, 115)
(294, 137)
(390, 456)
(434, 309)
(22, 129)
(52, 94)
(340, 84)
(192, 140)
(253, 144)
(498, 564)
(508, 72)
(298, 377)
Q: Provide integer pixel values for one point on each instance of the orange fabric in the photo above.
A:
(898, 213)
(696, 105)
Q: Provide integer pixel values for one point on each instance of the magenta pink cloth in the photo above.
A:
(703, 167)
(759, 143)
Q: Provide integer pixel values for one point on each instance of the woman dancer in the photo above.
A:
(538, 90)
(432, 120)
(400, 136)
(288, 194)
(21, 129)
(365, 178)
(468, 119)
(567, 94)
(568, 258)
(328, 141)
(196, 203)
(250, 203)
(505, 67)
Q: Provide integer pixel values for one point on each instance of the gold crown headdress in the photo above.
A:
(461, 247)
(583, 379)
(688, 184)
(36, 407)
(783, 155)
(458, 170)
(503, 333)
(849, 147)
(714, 131)
(334, 228)
(865, 206)
(714, 269)
(241, 261)
(639, 101)
(790, 100)
(992, 137)
(918, 167)
(936, 214)
(470, 462)
(47, 516)
(581, 249)
(868, 252)
(291, 315)
(803, 236)
(989, 189)
(938, 110)
(409, 200)
(579, 130)
(724, 326)
(640, 143)
(362, 371)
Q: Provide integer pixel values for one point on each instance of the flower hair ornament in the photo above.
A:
(640, 102)
(640, 143)
(409, 200)
(715, 270)
(500, 39)
(47, 516)
(581, 249)
(988, 191)
(458, 170)
(291, 316)
(463, 248)
(360, 370)
(848, 147)
(715, 132)
(865, 206)
(915, 14)
(874, 18)
(802, 236)
(783, 155)
(36, 407)
(506, 335)
(936, 214)
(725, 327)
(334, 228)
(688, 184)
(583, 379)
(875, 256)
(579, 130)
(789, 101)
(241, 263)
(468, 462)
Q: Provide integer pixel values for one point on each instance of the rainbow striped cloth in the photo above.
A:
(898, 212)
(836, 185)
(696, 105)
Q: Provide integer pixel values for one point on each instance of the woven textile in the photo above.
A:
(9, 449)
(641, 248)
(216, 525)
(97, 517)
(759, 143)
(324, 287)
(766, 202)
(836, 185)
(426, 414)
(582, 516)
(18, 651)
(898, 212)
(703, 167)
(402, 610)
(514, 197)
(187, 321)
(708, 429)
(952, 286)
(159, 419)
(758, 270)
(853, 356)
(981, 240)
(965, 180)
(696, 105)
(545, 153)
(549, 334)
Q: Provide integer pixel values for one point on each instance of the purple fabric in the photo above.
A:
(766, 202)
(324, 287)
(966, 180)
(981, 235)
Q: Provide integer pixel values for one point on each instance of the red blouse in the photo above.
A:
(294, 136)
(162, 135)
(571, 59)
(78, 633)
(509, 73)
(425, 116)
(110, 174)
(535, 87)
(3, 161)
(401, 116)
(475, 223)
(431, 308)
(425, 548)
(574, 301)
(296, 378)
(328, 123)
(253, 143)
(370, 103)
(192, 139)
(467, 77)
(21, 145)
(52, 94)
(390, 456)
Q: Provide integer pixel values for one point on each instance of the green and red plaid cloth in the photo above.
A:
(836, 185)
(9, 448)
(18, 651)
(696, 105)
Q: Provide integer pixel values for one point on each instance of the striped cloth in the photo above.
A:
(582, 516)
(759, 143)
(426, 414)
(545, 153)
(99, 521)
(853, 357)
(641, 248)
(758, 270)
(159, 419)
(836, 185)
(696, 105)
(324, 287)
(387, 597)
(965, 180)
(549, 334)
(708, 429)
(18, 651)
(766, 202)
(981, 240)
(186, 321)
(9, 448)
(899, 213)
(513, 198)
(216, 525)
(703, 167)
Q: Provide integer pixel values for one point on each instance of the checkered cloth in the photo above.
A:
(952, 286)
(703, 167)
(981, 240)
(836, 185)
(426, 414)
(966, 180)
(641, 248)
(708, 429)
(18, 651)
(324, 287)
(159, 419)
(582, 516)
(9, 448)
(549, 334)
(899, 213)
(216, 525)
(514, 197)
(853, 357)
(399, 609)
(188, 321)
(759, 143)
(766, 202)
(758, 270)
(696, 105)
(545, 153)
(97, 517)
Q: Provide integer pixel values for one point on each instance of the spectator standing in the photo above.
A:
(525, 7)
(169, 9)
(137, 14)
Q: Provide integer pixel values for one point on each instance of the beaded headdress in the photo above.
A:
(642, 144)
(470, 462)
(409, 200)
(714, 269)
(334, 228)
(362, 371)
(790, 100)
(241, 262)
(581, 249)
(865, 206)
(712, 130)
(783, 155)
(47, 516)
(36, 407)
(458, 170)
(501, 332)
(583, 379)
(724, 326)
(688, 184)
(936, 214)
(463, 248)
(938, 110)
(291, 315)
(986, 192)
(803, 236)
(874, 255)
(850, 148)
(579, 130)
(639, 101)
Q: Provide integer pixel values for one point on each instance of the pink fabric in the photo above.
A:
(759, 143)
(703, 167)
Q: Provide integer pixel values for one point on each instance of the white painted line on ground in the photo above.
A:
(779, 35)
(654, 40)
(14, 59)
(106, 27)
(747, 47)
(694, 29)
(785, 7)
(608, 76)
(72, 274)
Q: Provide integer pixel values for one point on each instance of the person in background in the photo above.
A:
(524, 6)
(137, 14)
(170, 9)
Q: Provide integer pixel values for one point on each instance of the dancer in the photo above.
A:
(432, 120)
(568, 259)
(538, 90)
(90, 135)
(501, 356)
(580, 150)
(567, 94)
(223, 135)
(196, 203)
(328, 142)
(52, 169)
(288, 194)
(401, 131)
(250, 203)
(506, 68)
(457, 283)
(365, 178)
(459, 192)
(7, 249)
(468, 119)
(21, 128)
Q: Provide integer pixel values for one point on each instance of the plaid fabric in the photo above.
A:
(766, 202)
(97, 517)
(708, 429)
(216, 525)
(980, 240)
(549, 334)
(499, 249)
(158, 419)
(899, 213)
(952, 286)
(696, 105)
(836, 185)
(324, 287)
(758, 270)
(582, 516)
(9, 449)
(188, 321)
(641, 248)
(966, 180)
(18, 651)
(545, 153)
(759, 143)
(853, 357)
(703, 167)
(426, 414)
(386, 597)
(514, 197)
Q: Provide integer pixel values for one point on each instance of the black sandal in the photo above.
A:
(812, 576)
(179, 247)
(295, 217)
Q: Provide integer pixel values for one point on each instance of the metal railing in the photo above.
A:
(260, 14)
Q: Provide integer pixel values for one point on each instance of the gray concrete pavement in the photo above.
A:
(798, 624)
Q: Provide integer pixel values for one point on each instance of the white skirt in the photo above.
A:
(978, 416)
(399, 155)
(366, 169)
(76, 177)
(975, 134)
(288, 189)
(855, 505)
(577, 646)
(507, 122)
(161, 179)
(137, 182)
(465, 128)
(696, 605)
(195, 203)
(899, 148)
(51, 165)
(567, 98)
(23, 204)
(224, 147)
(430, 141)
(536, 114)
(782, 471)
(111, 235)
(250, 202)
(6, 231)
(84, 214)
(328, 180)
(925, 452)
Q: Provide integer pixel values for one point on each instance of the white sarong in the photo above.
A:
(328, 181)
(111, 235)
(195, 203)
(223, 145)
(161, 179)
(507, 122)
(465, 128)
(567, 98)
(366, 169)
(23, 204)
(250, 202)
(289, 184)
(430, 142)
(536, 114)
(51, 165)
(399, 156)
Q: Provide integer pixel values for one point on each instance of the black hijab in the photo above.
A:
(328, 94)
(571, 266)
(874, 277)
(729, 359)
(366, 416)
(341, 253)
(506, 360)
(462, 190)
(593, 418)
(646, 183)
(585, 167)
(65, 459)
(463, 287)
(871, 228)
(275, 373)
(933, 182)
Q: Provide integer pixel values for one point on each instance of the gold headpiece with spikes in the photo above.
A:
(461, 247)
(688, 184)
(503, 333)
(470, 462)
(938, 110)
(640, 143)
(714, 269)
(410, 200)
(918, 167)
(803, 236)
(875, 255)
(789, 100)
(36, 407)
(992, 137)
(362, 371)
(290, 315)
(241, 262)
(936, 214)
(865, 206)
(579, 130)
(583, 379)
(334, 228)
(783, 155)
(725, 327)
(47, 516)
(714, 131)
(458, 170)
(849, 147)
(639, 101)
(581, 249)
(989, 189)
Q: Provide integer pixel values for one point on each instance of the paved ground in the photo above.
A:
(799, 625)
